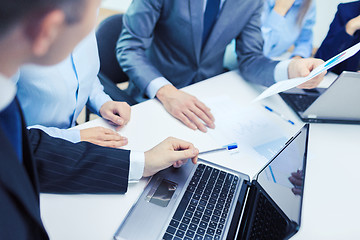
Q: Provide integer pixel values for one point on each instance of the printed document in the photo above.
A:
(291, 83)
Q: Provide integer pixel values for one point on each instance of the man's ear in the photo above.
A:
(48, 29)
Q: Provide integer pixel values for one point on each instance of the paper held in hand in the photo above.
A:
(291, 83)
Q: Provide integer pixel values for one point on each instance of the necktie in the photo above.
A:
(10, 122)
(210, 15)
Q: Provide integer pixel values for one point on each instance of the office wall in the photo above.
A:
(118, 5)
(326, 10)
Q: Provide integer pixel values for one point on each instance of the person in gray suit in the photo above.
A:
(167, 45)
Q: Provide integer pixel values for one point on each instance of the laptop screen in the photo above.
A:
(283, 178)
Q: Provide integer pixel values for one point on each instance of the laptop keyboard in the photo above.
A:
(268, 223)
(300, 102)
(205, 205)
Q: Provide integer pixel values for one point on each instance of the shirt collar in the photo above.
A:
(7, 92)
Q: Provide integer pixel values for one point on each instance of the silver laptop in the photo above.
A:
(337, 104)
(208, 201)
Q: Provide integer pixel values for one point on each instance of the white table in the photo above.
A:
(331, 198)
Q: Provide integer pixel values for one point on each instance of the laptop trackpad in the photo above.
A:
(161, 193)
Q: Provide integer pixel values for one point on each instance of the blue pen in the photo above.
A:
(227, 147)
(279, 114)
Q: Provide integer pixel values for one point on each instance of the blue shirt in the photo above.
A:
(281, 32)
(52, 97)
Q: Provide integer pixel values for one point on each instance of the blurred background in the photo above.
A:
(326, 10)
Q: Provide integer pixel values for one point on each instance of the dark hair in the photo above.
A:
(303, 10)
(14, 11)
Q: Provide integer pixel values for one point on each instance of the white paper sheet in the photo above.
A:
(241, 124)
(291, 83)
(257, 136)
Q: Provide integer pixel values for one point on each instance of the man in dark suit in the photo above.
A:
(44, 32)
(167, 45)
(343, 33)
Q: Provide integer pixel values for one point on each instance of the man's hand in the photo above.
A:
(283, 6)
(185, 107)
(118, 113)
(353, 25)
(302, 68)
(103, 137)
(169, 152)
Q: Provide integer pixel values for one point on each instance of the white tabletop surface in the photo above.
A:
(331, 198)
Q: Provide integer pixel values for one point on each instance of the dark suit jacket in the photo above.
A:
(55, 166)
(337, 40)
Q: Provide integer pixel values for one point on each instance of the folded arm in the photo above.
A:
(303, 44)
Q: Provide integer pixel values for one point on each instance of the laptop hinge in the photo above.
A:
(239, 211)
(246, 211)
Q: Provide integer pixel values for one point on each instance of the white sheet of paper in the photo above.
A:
(291, 83)
(238, 124)
(249, 127)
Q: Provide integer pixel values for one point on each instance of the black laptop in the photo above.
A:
(339, 103)
(208, 201)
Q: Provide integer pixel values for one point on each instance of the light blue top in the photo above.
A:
(52, 97)
(280, 33)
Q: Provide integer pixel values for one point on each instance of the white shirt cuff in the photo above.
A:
(72, 135)
(136, 169)
(155, 85)
(281, 71)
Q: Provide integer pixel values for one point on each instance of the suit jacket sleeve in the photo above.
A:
(65, 167)
(137, 35)
(253, 65)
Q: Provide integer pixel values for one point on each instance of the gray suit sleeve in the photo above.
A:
(137, 35)
(253, 65)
